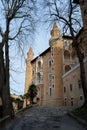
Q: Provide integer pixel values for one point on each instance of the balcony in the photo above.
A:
(38, 82)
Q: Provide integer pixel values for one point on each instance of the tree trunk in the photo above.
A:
(2, 74)
(7, 104)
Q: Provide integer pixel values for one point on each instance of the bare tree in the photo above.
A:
(20, 12)
(67, 14)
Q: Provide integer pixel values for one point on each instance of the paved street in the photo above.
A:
(44, 118)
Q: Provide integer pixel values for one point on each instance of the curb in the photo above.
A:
(81, 121)
(23, 109)
(4, 121)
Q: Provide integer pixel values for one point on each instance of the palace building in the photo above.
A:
(56, 71)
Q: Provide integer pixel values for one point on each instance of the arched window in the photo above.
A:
(39, 64)
(65, 43)
(67, 68)
(66, 55)
(38, 76)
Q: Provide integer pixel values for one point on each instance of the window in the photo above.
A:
(70, 87)
(71, 101)
(38, 76)
(65, 102)
(49, 63)
(32, 82)
(64, 89)
(71, 98)
(52, 54)
(39, 64)
(79, 84)
(52, 69)
(52, 61)
(65, 43)
(53, 85)
(33, 72)
(50, 91)
(52, 77)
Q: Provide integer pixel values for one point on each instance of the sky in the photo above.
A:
(39, 43)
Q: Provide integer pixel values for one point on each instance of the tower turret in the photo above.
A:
(55, 33)
(28, 78)
(56, 39)
(30, 54)
(56, 45)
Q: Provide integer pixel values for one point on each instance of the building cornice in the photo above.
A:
(47, 50)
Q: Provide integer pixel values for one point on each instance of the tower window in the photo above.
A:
(50, 75)
(52, 61)
(52, 68)
(49, 63)
(53, 77)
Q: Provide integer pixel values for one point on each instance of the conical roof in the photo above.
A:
(55, 32)
(30, 53)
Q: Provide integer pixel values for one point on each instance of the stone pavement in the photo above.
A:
(45, 118)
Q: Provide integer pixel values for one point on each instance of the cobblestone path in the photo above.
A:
(45, 118)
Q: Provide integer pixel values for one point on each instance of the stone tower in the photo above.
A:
(28, 77)
(56, 44)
